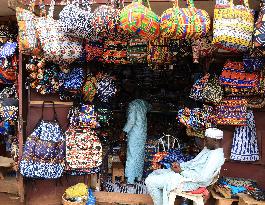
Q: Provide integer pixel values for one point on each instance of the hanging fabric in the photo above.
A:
(245, 144)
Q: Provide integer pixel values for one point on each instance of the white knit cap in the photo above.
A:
(214, 133)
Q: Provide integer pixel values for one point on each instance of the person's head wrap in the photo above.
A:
(214, 133)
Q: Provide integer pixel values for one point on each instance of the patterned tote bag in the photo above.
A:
(44, 151)
(259, 31)
(83, 148)
(233, 26)
(77, 21)
(56, 46)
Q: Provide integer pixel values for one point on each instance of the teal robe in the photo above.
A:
(136, 129)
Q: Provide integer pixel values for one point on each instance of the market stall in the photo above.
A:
(79, 65)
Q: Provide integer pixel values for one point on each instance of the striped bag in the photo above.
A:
(184, 23)
(138, 19)
(233, 26)
(259, 31)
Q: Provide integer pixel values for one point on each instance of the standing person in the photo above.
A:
(136, 130)
(191, 175)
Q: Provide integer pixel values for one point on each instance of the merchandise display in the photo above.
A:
(109, 96)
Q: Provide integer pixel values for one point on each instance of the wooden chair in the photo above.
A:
(198, 199)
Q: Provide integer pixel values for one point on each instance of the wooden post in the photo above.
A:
(20, 126)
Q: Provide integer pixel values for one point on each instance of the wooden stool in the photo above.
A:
(245, 199)
(221, 200)
(117, 171)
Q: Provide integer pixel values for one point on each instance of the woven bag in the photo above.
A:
(28, 42)
(198, 87)
(115, 52)
(183, 23)
(94, 50)
(137, 50)
(158, 52)
(233, 27)
(76, 21)
(138, 19)
(212, 92)
(259, 30)
(57, 47)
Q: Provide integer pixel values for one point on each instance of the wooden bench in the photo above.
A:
(221, 200)
(245, 199)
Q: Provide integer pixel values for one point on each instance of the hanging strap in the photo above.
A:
(54, 111)
(51, 9)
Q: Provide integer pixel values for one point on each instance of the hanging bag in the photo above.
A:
(233, 26)
(28, 43)
(44, 151)
(83, 148)
(94, 50)
(57, 47)
(77, 21)
(138, 19)
(137, 50)
(115, 52)
(184, 23)
(158, 52)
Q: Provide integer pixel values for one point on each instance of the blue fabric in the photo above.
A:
(91, 199)
(234, 189)
(136, 128)
(245, 144)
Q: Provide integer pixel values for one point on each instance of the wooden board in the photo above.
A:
(247, 199)
(9, 185)
(112, 197)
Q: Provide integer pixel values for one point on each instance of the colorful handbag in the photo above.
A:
(138, 19)
(8, 49)
(233, 26)
(184, 23)
(106, 88)
(115, 52)
(8, 70)
(89, 89)
(106, 22)
(259, 34)
(212, 92)
(254, 61)
(94, 50)
(137, 50)
(43, 76)
(158, 52)
(76, 21)
(72, 81)
(44, 151)
(198, 87)
(28, 43)
(232, 111)
(57, 47)
(83, 148)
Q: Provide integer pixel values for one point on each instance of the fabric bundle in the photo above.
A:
(115, 52)
(245, 145)
(232, 111)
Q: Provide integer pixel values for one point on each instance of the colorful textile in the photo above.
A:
(8, 49)
(212, 92)
(245, 144)
(137, 50)
(232, 111)
(253, 61)
(138, 19)
(184, 23)
(233, 26)
(159, 156)
(94, 50)
(89, 89)
(106, 88)
(136, 129)
(198, 87)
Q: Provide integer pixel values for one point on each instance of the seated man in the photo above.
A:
(191, 175)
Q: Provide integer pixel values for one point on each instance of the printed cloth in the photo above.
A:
(259, 34)
(245, 144)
